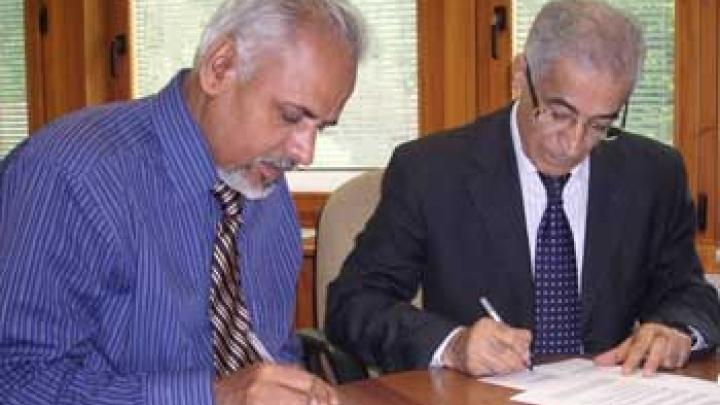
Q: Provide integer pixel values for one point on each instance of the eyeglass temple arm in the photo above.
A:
(531, 87)
(626, 107)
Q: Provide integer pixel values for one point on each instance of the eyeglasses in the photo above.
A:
(563, 116)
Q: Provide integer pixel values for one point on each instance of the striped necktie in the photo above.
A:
(557, 305)
(232, 347)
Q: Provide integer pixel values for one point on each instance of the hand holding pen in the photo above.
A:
(490, 310)
(488, 347)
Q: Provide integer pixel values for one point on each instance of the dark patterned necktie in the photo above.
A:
(232, 347)
(557, 306)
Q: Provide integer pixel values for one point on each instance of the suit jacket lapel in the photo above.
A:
(604, 220)
(494, 189)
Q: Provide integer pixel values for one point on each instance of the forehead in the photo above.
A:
(590, 90)
(316, 70)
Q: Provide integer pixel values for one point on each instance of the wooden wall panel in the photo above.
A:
(119, 23)
(448, 63)
(458, 78)
(68, 66)
(35, 73)
(309, 205)
(305, 300)
(707, 136)
(494, 74)
(63, 58)
(430, 68)
(696, 110)
(103, 22)
(95, 52)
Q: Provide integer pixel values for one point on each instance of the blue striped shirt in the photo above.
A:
(106, 232)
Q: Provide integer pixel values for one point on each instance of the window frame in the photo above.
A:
(458, 78)
(697, 112)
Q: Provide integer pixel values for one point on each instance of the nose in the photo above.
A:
(302, 145)
(575, 136)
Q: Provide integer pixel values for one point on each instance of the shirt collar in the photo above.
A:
(185, 148)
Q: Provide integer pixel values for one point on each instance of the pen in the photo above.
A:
(485, 303)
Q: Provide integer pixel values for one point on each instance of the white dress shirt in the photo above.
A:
(575, 197)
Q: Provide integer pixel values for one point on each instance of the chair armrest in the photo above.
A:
(327, 360)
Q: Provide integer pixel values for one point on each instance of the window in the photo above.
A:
(166, 34)
(382, 112)
(13, 99)
(651, 105)
(458, 76)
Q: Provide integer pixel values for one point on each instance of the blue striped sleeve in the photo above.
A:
(56, 285)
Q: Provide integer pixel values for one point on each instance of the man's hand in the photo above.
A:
(655, 344)
(271, 384)
(488, 348)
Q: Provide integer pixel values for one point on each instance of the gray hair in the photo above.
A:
(256, 25)
(590, 32)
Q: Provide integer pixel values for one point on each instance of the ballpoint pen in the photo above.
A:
(485, 303)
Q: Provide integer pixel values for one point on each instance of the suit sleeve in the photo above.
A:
(52, 257)
(369, 309)
(679, 292)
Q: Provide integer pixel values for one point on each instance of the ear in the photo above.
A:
(518, 77)
(218, 68)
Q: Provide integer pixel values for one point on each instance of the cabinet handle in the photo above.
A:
(118, 48)
(499, 24)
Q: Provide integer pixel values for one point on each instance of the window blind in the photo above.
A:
(13, 96)
(382, 113)
(166, 33)
(651, 106)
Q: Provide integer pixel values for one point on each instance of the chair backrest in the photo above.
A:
(342, 218)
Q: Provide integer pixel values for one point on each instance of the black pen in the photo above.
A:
(485, 303)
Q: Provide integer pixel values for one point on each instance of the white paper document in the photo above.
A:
(580, 382)
(525, 380)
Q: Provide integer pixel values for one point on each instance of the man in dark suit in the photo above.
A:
(499, 208)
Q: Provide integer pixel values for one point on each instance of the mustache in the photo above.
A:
(284, 164)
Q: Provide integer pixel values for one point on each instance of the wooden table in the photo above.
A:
(444, 387)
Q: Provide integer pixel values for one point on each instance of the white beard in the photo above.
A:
(238, 181)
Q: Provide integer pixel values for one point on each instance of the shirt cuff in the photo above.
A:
(181, 388)
(699, 342)
(436, 361)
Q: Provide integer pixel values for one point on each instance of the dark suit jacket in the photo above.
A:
(451, 220)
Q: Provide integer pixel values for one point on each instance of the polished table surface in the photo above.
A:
(444, 387)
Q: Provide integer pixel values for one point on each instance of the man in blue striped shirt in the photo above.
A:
(107, 220)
